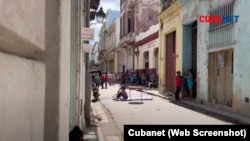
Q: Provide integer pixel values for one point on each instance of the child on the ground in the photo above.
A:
(121, 94)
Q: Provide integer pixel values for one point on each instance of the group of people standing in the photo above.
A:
(181, 85)
(101, 79)
(127, 78)
(139, 79)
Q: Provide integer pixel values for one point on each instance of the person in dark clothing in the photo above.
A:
(138, 78)
(76, 134)
(147, 79)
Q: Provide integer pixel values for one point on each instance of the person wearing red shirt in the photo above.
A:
(105, 79)
(178, 84)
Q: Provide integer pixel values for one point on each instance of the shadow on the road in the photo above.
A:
(135, 102)
(211, 114)
(94, 100)
(170, 98)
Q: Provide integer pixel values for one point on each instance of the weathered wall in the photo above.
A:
(34, 62)
(22, 88)
(149, 46)
(171, 22)
(144, 10)
(241, 74)
(64, 70)
(191, 11)
(26, 18)
(241, 68)
(202, 55)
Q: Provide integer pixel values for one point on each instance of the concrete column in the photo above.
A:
(51, 126)
(73, 66)
(202, 54)
(87, 105)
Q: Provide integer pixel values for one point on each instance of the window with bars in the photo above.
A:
(221, 33)
(225, 10)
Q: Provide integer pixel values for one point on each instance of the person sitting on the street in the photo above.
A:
(121, 94)
(151, 84)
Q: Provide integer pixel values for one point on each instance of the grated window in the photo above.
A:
(222, 33)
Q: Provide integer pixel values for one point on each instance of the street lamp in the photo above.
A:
(100, 15)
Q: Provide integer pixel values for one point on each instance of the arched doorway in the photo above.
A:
(146, 60)
(156, 61)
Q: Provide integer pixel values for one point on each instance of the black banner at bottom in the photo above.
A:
(180, 132)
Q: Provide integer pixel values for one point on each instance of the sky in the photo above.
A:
(105, 4)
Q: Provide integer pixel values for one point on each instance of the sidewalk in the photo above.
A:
(93, 131)
(214, 109)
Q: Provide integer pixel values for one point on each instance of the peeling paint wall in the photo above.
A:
(191, 11)
(172, 22)
(202, 55)
(146, 15)
(241, 68)
(241, 77)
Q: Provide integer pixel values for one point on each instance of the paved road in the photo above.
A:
(114, 114)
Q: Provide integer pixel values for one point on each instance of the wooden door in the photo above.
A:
(170, 61)
(220, 72)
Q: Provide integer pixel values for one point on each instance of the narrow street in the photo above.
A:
(114, 114)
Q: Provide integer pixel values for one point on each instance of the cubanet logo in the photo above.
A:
(218, 19)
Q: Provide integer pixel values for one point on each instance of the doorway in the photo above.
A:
(220, 72)
(194, 55)
(170, 61)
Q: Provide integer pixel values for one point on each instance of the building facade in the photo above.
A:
(108, 41)
(147, 50)
(170, 36)
(213, 50)
(136, 17)
(113, 43)
(222, 80)
(103, 65)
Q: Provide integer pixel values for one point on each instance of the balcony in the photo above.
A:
(165, 4)
(128, 39)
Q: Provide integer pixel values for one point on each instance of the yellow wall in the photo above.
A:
(171, 20)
